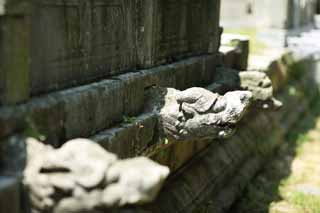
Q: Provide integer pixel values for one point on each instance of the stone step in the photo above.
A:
(9, 195)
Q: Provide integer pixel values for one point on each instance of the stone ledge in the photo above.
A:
(77, 112)
(129, 139)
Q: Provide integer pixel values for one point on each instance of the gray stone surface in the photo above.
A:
(92, 40)
(9, 195)
(254, 81)
(199, 114)
(82, 177)
(77, 112)
(98, 39)
(236, 51)
(130, 139)
(175, 29)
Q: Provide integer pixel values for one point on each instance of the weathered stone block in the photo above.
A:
(133, 85)
(68, 43)
(236, 50)
(46, 120)
(92, 39)
(52, 45)
(9, 195)
(228, 56)
(130, 139)
(194, 71)
(85, 110)
(175, 29)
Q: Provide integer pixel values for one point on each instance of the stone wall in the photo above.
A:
(100, 92)
(211, 173)
(68, 43)
(73, 69)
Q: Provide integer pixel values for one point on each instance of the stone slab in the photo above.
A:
(129, 139)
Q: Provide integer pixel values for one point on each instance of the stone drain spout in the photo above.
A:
(199, 114)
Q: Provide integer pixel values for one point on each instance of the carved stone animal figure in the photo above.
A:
(199, 114)
(254, 81)
(82, 177)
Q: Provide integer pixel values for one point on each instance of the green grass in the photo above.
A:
(308, 203)
(256, 47)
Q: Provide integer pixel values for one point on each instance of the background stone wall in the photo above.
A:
(283, 14)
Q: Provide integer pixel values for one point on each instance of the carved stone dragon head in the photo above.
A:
(198, 114)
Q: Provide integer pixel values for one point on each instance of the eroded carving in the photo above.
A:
(255, 81)
(261, 87)
(199, 114)
(81, 176)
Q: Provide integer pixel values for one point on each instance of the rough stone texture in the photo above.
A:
(215, 177)
(198, 114)
(97, 39)
(209, 173)
(236, 51)
(130, 139)
(261, 87)
(195, 71)
(81, 176)
(77, 112)
(93, 39)
(175, 29)
(9, 195)
(228, 55)
(254, 81)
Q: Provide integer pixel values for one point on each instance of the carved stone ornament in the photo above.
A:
(82, 177)
(199, 114)
(261, 87)
(256, 82)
